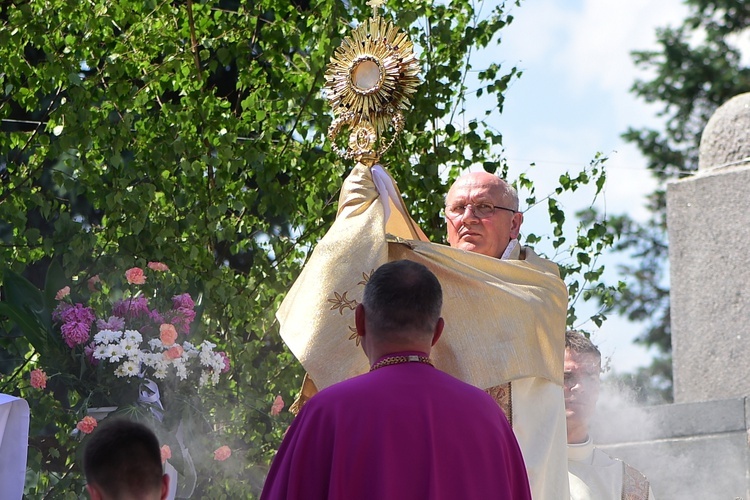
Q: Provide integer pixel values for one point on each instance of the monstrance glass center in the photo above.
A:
(366, 75)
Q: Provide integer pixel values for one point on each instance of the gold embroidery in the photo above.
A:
(365, 278)
(307, 391)
(354, 336)
(502, 396)
(634, 484)
(340, 302)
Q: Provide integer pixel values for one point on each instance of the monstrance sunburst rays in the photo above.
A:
(369, 81)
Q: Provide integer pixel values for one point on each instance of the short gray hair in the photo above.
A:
(579, 343)
(402, 295)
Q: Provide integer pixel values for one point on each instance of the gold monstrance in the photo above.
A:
(369, 81)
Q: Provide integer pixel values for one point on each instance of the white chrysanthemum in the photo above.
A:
(215, 376)
(130, 348)
(152, 360)
(133, 335)
(148, 359)
(212, 360)
(107, 336)
(180, 368)
(204, 378)
(114, 353)
(161, 373)
(156, 344)
(100, 352)
(206, 355)
(190, 349)
(130, 368)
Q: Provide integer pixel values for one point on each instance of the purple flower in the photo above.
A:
(182, 318)
(78, 314)
(183, 301)
(157, 317)
(59, 310)
(131, 308)
(227, 363)
(89, 352)
(75, 333)
(114, 323)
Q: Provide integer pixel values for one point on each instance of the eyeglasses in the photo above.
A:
(480, 210)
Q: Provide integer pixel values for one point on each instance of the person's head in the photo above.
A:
(122, 461)
(583, 364)
(488, 233)
(400, 309)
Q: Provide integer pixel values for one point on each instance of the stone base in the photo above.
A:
(693, 450)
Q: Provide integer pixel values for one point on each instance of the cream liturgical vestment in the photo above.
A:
(504, 319)
(594, 475)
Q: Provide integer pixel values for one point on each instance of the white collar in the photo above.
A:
(509, 249)
(581, 452)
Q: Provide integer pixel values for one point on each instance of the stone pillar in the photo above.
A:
(708, 220)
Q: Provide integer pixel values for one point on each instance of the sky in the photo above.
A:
(573, 101)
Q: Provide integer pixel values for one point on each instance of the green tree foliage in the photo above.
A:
(193, 133)
(697, 67)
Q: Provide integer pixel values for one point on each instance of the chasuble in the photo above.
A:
(504, 319)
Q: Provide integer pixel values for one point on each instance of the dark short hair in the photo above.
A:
(402, 295)
(123, 457)
(579, 343)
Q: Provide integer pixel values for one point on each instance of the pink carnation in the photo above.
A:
(166, 453)
(222, 453)
(158, 266)
(92, 282)
(135, 276)
(38, 379)
(62, 293)
(277, 406)
(174, 352)
(87, 425)
(167, 334)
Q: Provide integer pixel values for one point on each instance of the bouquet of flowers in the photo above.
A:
(126, 347)
(138, 337)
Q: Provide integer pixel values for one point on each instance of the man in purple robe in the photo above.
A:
(405, 430)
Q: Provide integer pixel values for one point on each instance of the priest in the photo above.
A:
(594, 475)
(504, 317)
(404, 430)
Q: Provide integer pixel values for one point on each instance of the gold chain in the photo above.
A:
(397, 360)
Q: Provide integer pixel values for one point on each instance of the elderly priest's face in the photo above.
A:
(487, 234)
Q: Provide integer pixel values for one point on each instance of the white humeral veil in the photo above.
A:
(504, 319)
(14, 444)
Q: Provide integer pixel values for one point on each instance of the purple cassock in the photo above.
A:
(402, 432)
